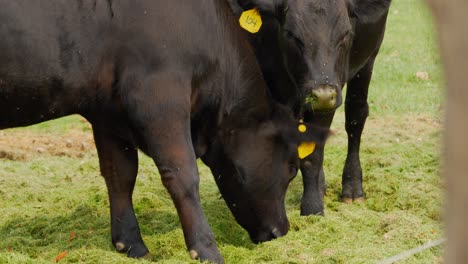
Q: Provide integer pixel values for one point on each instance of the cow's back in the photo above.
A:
(59, 58)
(42, 38)
(48, 54)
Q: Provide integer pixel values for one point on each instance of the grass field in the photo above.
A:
(53, 198)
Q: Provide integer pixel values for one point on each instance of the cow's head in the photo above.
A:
(253, 163)
(269, 46)
(319, 37)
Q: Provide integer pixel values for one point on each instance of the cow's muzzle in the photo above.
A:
(323, 98)
(270, 234)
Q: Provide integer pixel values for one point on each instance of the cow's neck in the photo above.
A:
(246, 94)
(237, 93)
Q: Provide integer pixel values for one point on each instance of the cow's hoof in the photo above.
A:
(359, 200)
(307, 213)
(351, 200)
(147, 256)
(347, 200)
(136, 250)
(210, 255)
(312, 210)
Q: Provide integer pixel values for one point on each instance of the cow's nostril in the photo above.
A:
(275, 233)
(322, 98)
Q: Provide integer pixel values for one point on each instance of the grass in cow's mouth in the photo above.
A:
(310, 101)
(50, 188)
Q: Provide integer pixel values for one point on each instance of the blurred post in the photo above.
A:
(451, 17)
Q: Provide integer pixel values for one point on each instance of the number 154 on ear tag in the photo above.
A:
(251, 20)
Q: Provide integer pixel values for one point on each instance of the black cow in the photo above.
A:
(176, 79)
(339, 41)
(326, 44)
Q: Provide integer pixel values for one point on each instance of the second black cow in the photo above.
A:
(325, 44)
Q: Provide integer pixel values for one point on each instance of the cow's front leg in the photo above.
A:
(312, 170)
(356, 112)
(119, 165)
(161, 113)
(179, 174)
(173, 153)
(314, 183)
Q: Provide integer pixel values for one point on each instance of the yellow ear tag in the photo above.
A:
(302, 128)
(251, 20)
(305, 149)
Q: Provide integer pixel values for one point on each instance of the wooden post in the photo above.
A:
(451, 17)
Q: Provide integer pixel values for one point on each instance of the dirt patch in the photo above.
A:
(409, 128)
(23, 145)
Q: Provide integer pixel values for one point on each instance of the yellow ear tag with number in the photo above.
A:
(305, 148)
(251, 20)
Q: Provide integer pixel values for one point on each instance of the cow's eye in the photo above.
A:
(292, 36)
(347, 37)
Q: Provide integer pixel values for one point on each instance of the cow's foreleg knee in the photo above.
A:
(119, 165)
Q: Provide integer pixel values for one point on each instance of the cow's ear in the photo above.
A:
(278, 8)
(307, 136)
(368, 11)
